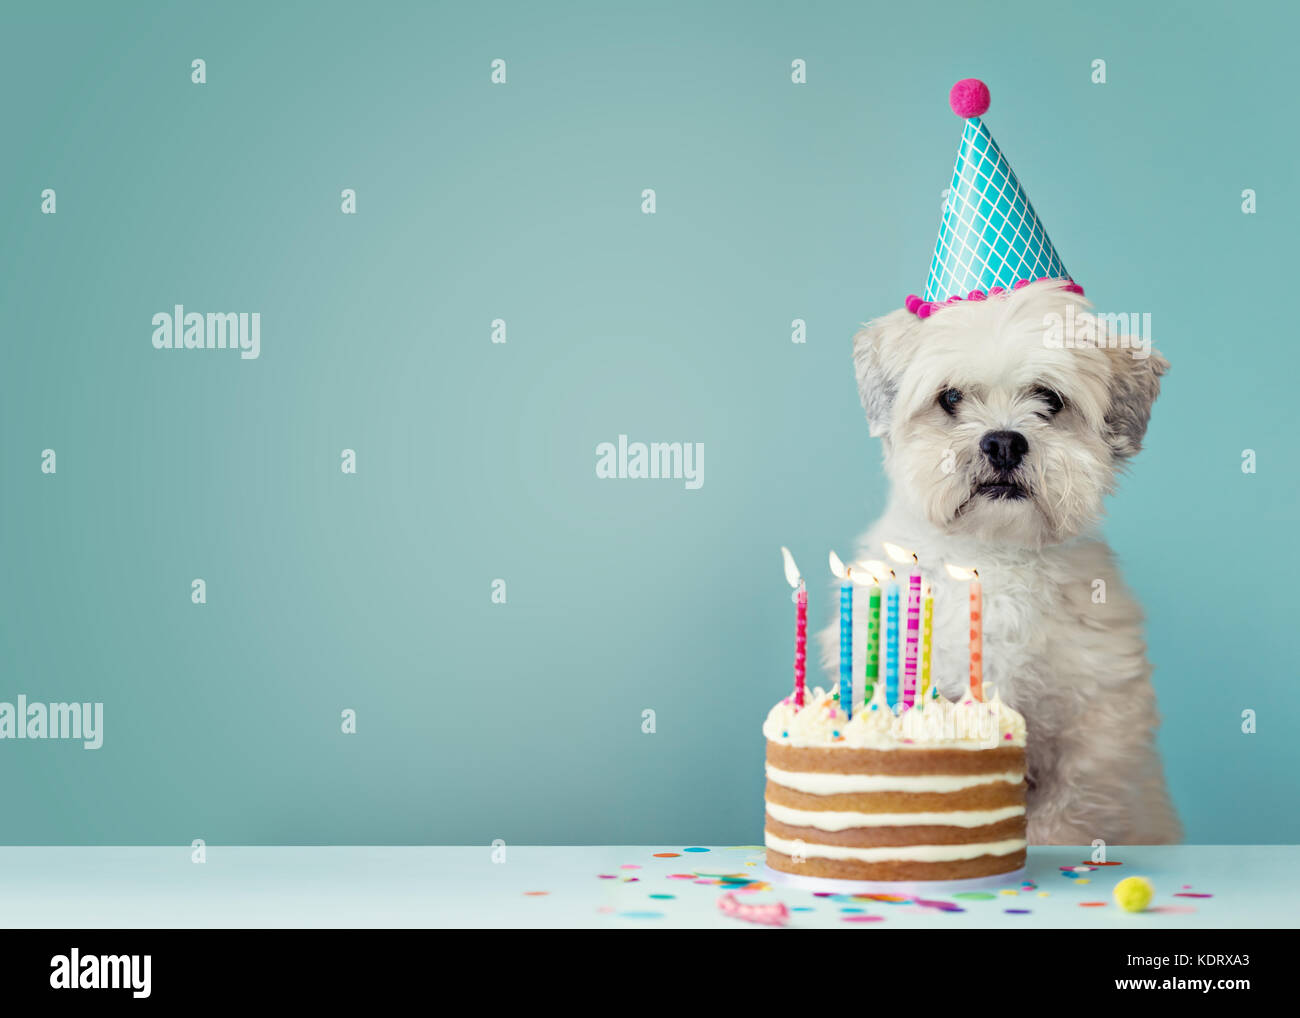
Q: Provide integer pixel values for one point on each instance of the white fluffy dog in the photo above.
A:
(1004, 425)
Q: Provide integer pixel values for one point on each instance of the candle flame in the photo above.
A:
(897, 553)
(837, 566)
(792, 576)
(961, 572)
(875, 570)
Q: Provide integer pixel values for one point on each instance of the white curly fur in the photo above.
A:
(1076, 667)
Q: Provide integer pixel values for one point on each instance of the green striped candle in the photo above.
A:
(873, 646)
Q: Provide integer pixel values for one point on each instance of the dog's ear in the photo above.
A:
(1135, 384)
(879, 351)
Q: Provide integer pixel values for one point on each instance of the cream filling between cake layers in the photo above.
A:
(825, 783)
(912, 853)
(830, 820)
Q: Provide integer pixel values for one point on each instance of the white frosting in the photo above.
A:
(936, 724)
(905, 853)
(833, 820)
(815, 783)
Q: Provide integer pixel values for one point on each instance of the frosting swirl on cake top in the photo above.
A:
(966, 723)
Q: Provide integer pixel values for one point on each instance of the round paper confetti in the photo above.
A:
(667, 855)
(1093, 904)
(975, 896)
(536, 894)
(861, 918)
(694, 849)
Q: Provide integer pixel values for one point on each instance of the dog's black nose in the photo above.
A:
(1004, 449)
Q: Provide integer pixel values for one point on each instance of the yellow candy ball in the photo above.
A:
(1133, 894)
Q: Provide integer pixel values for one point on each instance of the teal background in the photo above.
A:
(523, 721)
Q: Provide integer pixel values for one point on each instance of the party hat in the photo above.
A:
(991, 239)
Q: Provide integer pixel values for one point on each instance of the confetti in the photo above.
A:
(1092, 904)
(667, 855)
(607, 876)
(641, 915)
(1016, 911)
(536, 894)
(681, 876)
(668, 897)
(941, 906)
(694, 849)
(975, 896)
(1189, 894)
(1172, 909)
(629, 866)
(1008, 891)
(862, 918)
(765, 915)
(1103, 863)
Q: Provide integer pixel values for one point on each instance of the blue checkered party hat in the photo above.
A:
(990, 240)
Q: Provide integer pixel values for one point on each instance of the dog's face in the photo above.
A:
(1006, 419)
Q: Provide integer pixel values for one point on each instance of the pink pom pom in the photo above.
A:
(925, 310)
(1073, 288)
(912, 303)
(953, 299)
(969, 98)
(995, 290)
(976, 295)
(1020, 283)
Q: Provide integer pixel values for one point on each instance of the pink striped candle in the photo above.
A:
(913, 634)
(800, 645)
(793, 578)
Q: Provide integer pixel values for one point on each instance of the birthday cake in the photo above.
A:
(934, 793)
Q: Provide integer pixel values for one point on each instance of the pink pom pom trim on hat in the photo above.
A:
(969, 98)
(925, 308)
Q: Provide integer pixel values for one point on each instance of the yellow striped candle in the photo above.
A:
(927, 637)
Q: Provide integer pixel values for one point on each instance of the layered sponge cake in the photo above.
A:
(936, 793)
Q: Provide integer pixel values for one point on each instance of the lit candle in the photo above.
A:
(865, 572)
(976, 627)
(800, 626)
(872, 675)
(911, 651)
(913, 634)
(846, 635)
(891, 644)
(976, 637)
(927, 640)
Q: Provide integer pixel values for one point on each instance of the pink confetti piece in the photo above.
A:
(1172, 909)
(765, 915)
(1190, 894)
(862, 919)
(939, 906)
(629, 866)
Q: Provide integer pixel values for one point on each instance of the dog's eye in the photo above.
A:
(949, 398)
(1051, 398)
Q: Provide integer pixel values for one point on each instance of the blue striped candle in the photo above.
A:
(891, 645)
(846, 649)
